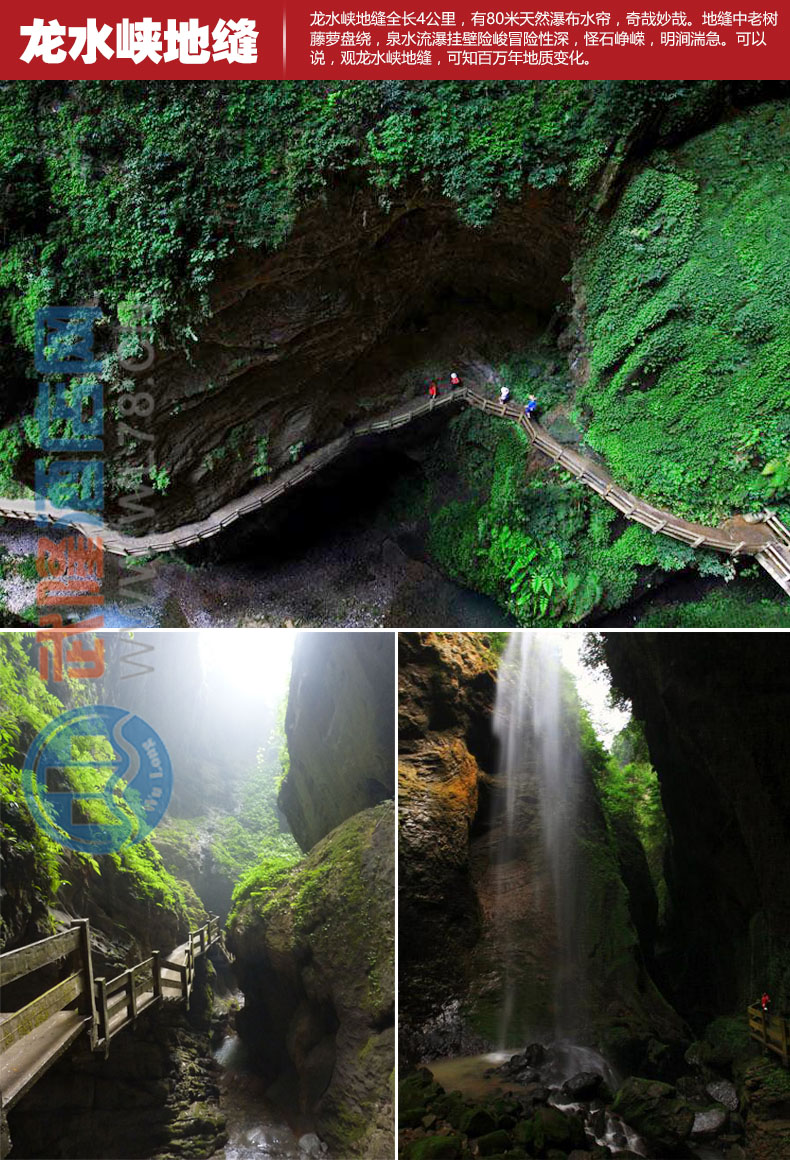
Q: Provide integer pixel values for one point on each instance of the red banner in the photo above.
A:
(236, 39)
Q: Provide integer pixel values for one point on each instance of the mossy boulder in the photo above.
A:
(477, 1122)
(314, 956)
(418, 1088)
(411, 1117)
(494, 1143)
(435, 1148)
(451, 1107)
(657, 1113)
(550, 1128)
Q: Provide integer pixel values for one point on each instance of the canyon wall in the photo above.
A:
(713, 708)
(339, 726)
(334, 326)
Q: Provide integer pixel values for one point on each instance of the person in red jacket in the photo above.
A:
(765, 1003)
(433, 390)
(454, 379)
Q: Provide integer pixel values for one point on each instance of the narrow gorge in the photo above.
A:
(278, 1040)
(334, 249)
(592, 839)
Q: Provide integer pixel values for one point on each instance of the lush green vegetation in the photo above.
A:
(688, 320)
(674, 353)
(631, 794)
(36, 866)
(743, 608)
(252, 830)
(136, 190)
(546, 549)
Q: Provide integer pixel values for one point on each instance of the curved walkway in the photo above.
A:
(767, 541)
(36, 1035)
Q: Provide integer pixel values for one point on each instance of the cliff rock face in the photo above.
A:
(447, 684)
(309, 338)
(340, 728)
(714, 708)
(314, 950)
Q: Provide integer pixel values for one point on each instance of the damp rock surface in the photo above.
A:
(314, 955)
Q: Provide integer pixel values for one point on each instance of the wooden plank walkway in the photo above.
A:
(35, 1036)
(21, 1064)
(773, 1032)
(768, 541)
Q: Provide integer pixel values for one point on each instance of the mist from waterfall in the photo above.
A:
(539, 758)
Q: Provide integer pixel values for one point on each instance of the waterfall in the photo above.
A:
(537, 802)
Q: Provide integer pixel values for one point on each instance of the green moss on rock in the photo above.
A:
(435, 1148)
(655, 1111)
(314, 946)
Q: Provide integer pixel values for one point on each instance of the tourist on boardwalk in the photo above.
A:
(504, 394)
(531, 407)
(454, 379)
(765, 1003)
(433, 389)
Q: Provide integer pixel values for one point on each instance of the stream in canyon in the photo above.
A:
(256, 1131)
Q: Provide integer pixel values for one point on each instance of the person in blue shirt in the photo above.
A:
(531, 407)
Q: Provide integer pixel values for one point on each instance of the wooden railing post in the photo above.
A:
(87, 1002)
(104, 1022)
(132, 997)
(156, 971)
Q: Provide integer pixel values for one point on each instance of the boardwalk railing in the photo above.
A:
(35, 1036)
(772, 1031)
(768, 540)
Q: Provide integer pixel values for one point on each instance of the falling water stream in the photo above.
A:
(538, 759)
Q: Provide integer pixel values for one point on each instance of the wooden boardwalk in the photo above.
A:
(35, 1036)
(773, 1032)
(768, 541)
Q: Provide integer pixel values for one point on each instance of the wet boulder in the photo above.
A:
(435, 1148)
(477, 1122)
(411, 1117)
(723, 1092)
(707, 1057)
(452, 1108)
(417, 1089)
(494, 1143)
(710, 1122)
(585, 1085)
(534, 1093)
(550, 1128)
(311, 1147)
(657, 1113)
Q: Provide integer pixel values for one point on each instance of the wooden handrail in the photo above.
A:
(105, 1007)
(773, 1031)
(15, 1027)
(22, 961)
